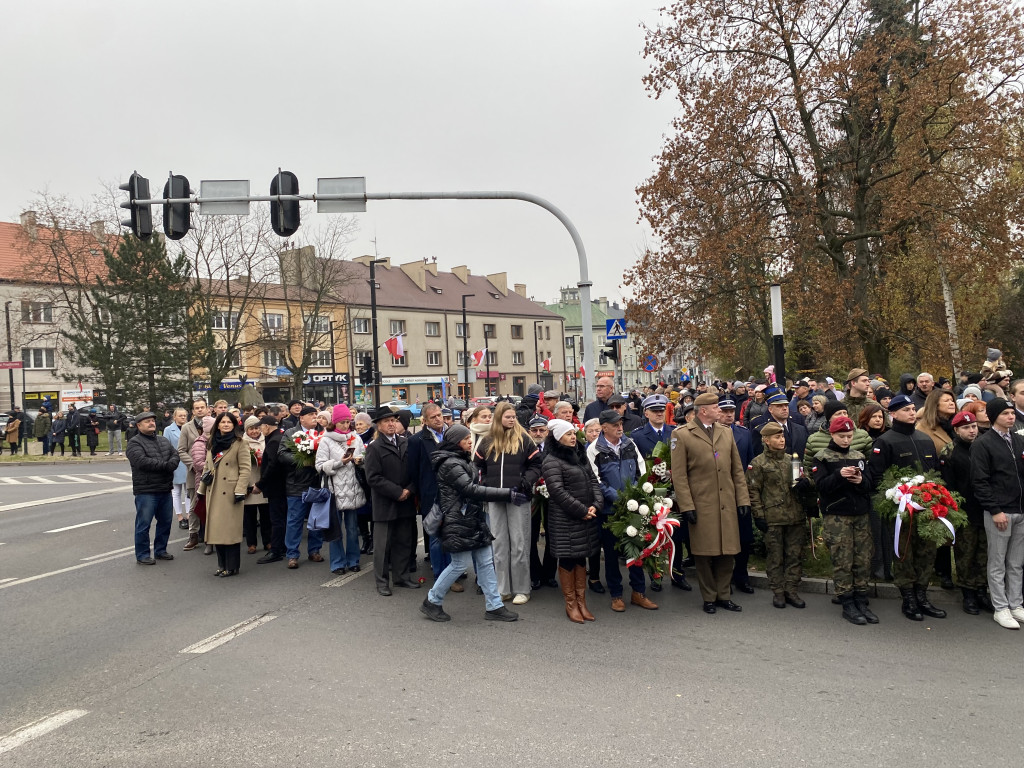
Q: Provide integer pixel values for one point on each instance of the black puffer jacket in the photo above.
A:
(297, 480)
(572, 488)
(509, 470)
(153, 461)
(459, 496)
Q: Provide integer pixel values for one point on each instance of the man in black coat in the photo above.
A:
(153, 461)
(421, 446)
(778, 411)
(394, 507)
(272, 485)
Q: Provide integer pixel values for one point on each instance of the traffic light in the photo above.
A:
(366, 372)
(176, 215)
(141, 221)
(284, 216)
(611, 350)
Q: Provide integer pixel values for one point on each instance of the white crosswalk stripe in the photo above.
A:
(94, 477)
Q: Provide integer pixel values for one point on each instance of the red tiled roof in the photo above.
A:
(26, 259)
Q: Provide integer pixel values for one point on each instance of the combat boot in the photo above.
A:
(850, 610)
(861, 599)
(910, 607)
(984, 603)
(924, 604)
(971, 601)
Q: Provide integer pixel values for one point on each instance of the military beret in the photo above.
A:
(964, 417)
(771, 428)
(842, 424)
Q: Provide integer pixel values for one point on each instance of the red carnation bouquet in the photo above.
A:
(303, 446)
(922, 503)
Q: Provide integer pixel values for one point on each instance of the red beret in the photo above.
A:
(964, 417)
(842, 424)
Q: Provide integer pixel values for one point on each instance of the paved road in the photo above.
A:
(336, 675)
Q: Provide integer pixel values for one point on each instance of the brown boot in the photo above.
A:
(580, 574)
(643, 601)
(568, 582)
(192, 543)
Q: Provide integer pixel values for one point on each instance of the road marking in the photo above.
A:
(122, 550)
(41, 479)
(107, 478)
(76, 478)
(226, 635)
(99, 559)
(72, 527)
(4, 581)
(39, 728)
(10, 481)
(344, 579)
(56, 499)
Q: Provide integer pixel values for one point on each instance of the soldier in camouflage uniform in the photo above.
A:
(845, 499)
(778, 515)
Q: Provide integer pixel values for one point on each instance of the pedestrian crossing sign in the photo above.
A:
(615, 328)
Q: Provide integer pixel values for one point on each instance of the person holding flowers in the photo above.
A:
(844, 497)
(574, 498)
(297, 456)
(997, 471)
(779, 517)
(337, 456)
(903, 447)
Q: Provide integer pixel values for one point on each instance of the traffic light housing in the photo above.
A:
(284, 215)
(366, 372)
(141, 221)
(176, 215)
(611, 350)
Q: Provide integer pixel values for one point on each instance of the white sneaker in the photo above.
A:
(1017, 613)
(520, 600)
(1005, 619)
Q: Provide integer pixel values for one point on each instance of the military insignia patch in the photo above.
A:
(674, 439)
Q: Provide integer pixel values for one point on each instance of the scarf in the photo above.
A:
(221, 442)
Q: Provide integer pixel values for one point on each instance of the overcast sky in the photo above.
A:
(537, 96)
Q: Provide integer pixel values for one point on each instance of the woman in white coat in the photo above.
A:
(340, 451)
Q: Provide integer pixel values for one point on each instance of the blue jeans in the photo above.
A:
(297, 514)
(147, 507)
(345, 551)
(482, 561)
(612, 574)
(439, 559)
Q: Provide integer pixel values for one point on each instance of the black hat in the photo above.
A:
(381, 412)
(996, 406)
(405, 417)
(609, 417)
(294, 402)
(308, 409)
(883, 392)
(270, 421)
(144, 415)
(455, 434)
(616, 399)
(832, 407)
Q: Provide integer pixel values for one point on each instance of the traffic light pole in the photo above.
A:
(373, 323)
(584, 284)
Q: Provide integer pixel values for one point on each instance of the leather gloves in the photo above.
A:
(762, 524)
(743, 511)
(803, 485)
(517, 497)
(691, 516)
(239, 497)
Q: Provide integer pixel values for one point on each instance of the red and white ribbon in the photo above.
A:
(664, 524)
(908, 505)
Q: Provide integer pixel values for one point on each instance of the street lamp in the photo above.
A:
(373, 322)
(779, 345)
(465, 346)
(10, 351)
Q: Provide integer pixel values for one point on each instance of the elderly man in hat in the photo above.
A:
(902, 446)
(711, 492)
(299, 479)
(616, 462)
(630, 421)
(153, 461)
(394, 508)
(778, 411)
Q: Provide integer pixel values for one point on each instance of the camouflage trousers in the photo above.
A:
(915, 564)
(784, 561)
(850, 545)
(971, 552)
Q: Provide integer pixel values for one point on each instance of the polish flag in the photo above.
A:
(395, 346)
(546, 364)
(583, 371)
(478, 357)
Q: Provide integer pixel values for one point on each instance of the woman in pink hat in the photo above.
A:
(339, 453)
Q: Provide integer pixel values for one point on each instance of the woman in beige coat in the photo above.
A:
(227, 471)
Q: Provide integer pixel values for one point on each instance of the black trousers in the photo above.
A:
(540, 570)
(257, 514)
(278, 507)
(229, 556)
(392, 543)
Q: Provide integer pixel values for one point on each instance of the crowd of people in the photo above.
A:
(486, 482)
(52, 427)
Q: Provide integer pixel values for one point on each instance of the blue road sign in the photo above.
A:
(615, 328)
(651, 363)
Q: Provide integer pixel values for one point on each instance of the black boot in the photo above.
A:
(850, 610)
(861, 599)
(925, 604)
(910, 607)
(971, 602)
(984, 603)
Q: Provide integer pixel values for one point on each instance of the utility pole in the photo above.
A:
(373, 323)
(334, 367)
(536, 347)
(10, 350)
(465, 347)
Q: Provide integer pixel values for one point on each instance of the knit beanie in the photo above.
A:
(559, 427)
(340, 412)
(832, 407)
(995, 406)
(454, 435)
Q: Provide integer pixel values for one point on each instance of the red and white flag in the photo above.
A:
(395, 346)
(583, 371)
(546, 364)
(478, 357)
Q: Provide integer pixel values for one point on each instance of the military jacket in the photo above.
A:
(770, 479)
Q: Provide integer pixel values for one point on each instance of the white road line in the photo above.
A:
(126, 474)
(344, 579)
(4, 581)
(76, 478)
(10, 481)
(41, 479)
(29, 579)
(56, 499)
(39, 728)
(72, 527)
(107, 478)
(217, 640)
(121, 551)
